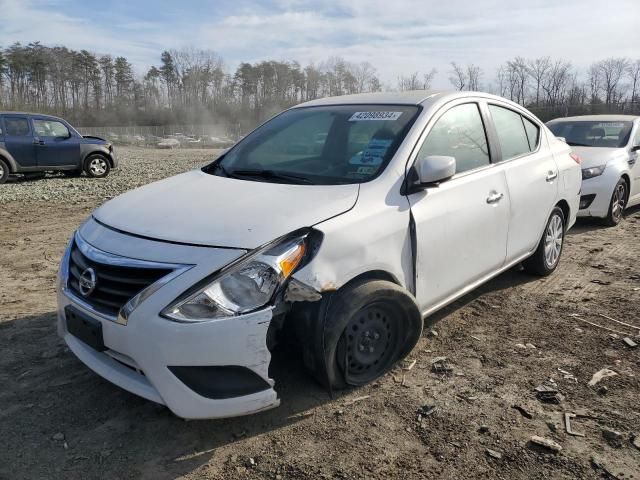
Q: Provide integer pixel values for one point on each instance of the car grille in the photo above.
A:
(114, 286)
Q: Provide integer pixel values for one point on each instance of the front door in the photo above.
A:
(56, 146)
(18, 140)
(461, 226)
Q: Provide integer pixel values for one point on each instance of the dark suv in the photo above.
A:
(32, 143)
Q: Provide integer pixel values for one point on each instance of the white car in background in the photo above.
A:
(608, 146)
(401, 203)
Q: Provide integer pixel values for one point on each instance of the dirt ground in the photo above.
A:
(60, 420)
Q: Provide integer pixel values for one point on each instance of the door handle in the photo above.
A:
(494, 197)
(38, 142)
(551, 176)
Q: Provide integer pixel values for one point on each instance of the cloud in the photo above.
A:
(396, 37)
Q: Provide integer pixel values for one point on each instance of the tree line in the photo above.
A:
(194, 86)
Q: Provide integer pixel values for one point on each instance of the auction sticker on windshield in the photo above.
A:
(364, 116)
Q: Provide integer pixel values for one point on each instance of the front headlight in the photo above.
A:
(247, 284)
(592, 172)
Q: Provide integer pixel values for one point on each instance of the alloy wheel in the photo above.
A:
(98, 166)
(618, 201)
(553, 239)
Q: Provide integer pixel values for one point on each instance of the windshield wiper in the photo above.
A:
(269, 174)
(578, 144)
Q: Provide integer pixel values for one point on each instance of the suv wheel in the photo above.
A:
(617, 204)
(4, 171)
(547, 256)
(97, 166)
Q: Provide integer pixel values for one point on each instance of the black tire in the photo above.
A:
(617, 204)
(72, 173)
(542, 262)
(97, 166)
(4, 171)
(369, 326)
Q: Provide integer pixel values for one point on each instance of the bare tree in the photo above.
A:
(537, 70)
(633, 71)
(473, 77)
(612, 70)
(458, 77)
(428, 78)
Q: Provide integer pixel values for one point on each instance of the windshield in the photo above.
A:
(592, 134)
(329, 145)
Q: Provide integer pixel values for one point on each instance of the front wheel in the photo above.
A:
(370, 325)
(97, 166)
(617, 204)
(547, 256)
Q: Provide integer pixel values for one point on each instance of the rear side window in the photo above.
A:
(16, 126)
(50, 128)
(511, 132)
(459, 133)
(533, 133)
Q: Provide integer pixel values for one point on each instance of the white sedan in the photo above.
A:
(342, 222)
(608, 146)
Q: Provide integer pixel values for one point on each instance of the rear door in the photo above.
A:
(634, 163)
(18, 140)
(461, 225)
(532, 177)
(56, 145)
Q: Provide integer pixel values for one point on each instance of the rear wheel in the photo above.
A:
(547, 256)
(97, 166)
(617, 204)
(370, 325)
(4, 171)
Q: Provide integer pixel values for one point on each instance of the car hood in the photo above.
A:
(596, 156)
(202, 209)
(94, 139)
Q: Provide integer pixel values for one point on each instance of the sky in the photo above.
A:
(398, 37)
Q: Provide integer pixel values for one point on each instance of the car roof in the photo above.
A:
(31, 114)
(412, 97)
(597, 118)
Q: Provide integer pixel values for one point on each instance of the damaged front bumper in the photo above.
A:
(211, 369)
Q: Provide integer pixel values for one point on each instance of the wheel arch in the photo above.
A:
(566, 211)
(13, 166)
(627, 179)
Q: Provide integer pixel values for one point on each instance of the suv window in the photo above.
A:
(511, 132)
(459, 133)
(50, 128)
(17, 126)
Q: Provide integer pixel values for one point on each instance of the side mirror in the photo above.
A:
(635, 148)
(435, 168)
(430, 170)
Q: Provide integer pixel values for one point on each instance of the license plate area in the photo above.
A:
(84, 328)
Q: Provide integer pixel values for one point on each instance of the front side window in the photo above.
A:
(459, 133)
(329, 145)
(511, 132)
(580, 133)
(17, 126)
(50, 128)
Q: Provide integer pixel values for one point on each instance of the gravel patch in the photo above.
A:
(137, 167)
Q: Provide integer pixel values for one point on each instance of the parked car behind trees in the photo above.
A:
(40, 143)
